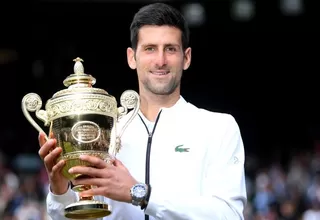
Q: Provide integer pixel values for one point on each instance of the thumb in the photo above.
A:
(118, 163)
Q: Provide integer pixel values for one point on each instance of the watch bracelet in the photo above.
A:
(146, 200)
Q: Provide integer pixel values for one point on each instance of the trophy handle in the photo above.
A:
(129, 99)
(32, 103)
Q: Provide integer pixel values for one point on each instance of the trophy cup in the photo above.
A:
(83, 121)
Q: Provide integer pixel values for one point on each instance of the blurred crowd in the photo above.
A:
(22, 191)
(285, 191)
(275, 192)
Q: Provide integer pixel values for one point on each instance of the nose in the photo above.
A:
(161, 59)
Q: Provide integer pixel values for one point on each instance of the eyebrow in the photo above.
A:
(155, 45)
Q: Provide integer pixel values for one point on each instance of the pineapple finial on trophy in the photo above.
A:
(78, 67)
(79, 78)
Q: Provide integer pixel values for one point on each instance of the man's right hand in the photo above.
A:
(49, 153)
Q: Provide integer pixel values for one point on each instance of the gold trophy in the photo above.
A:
(83, 120)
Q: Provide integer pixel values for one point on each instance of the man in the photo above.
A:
(189, 162)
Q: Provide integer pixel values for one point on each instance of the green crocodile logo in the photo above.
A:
(181, 149)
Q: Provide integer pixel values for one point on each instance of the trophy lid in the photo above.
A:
(80, 97)
(79, 81)
(79, 78)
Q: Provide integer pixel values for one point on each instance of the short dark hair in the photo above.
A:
(159, 14)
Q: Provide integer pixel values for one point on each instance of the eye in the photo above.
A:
(149, 49)
(171, 49)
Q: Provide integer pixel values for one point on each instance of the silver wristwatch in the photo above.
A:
(138, 193)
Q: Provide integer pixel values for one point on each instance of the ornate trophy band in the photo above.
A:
(83, 120)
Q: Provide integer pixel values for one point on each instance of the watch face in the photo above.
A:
(139, 191)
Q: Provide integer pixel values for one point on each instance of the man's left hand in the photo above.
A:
(112, 180)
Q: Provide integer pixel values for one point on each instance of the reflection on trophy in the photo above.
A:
(83, 121)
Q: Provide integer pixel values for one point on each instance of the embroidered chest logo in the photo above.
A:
(181, 149)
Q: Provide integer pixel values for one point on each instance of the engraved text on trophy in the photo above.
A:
(85, 131)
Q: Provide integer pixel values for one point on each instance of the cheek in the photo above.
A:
(144, 64)
(142, 70)
(178, 66)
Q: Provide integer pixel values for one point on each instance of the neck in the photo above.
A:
(150, 104)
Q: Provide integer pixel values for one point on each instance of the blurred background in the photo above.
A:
(256, 60)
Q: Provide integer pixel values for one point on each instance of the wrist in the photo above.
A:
(58, 189)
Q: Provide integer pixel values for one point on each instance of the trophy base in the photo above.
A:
(87, 210)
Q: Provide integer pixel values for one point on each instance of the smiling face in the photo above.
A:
(159, 59)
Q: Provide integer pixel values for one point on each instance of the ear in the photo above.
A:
(131, 58)
(187, 58)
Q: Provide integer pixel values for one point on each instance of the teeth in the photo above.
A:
(156, 73)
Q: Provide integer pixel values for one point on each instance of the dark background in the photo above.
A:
(263, 71)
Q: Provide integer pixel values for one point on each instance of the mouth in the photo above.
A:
(160, 72)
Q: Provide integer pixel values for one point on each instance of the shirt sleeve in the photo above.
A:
(224, 189)
(57, 203)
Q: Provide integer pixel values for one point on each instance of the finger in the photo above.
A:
(46, 148)
(42, 138)
(101, 191)
(119, 164)
(51, 135)
(94, 161)
(52, 157)
(58, 167)
(89, 171)
(89, 181)
(110, 160)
